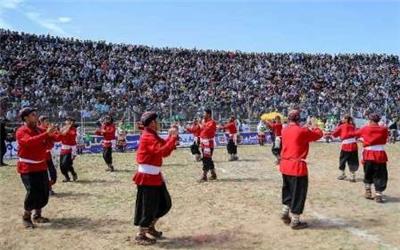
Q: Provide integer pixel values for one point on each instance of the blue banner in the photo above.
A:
(90, 145)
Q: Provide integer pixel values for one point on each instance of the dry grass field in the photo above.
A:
(239, 211)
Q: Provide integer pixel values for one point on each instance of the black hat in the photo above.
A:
(43, 117)
(70, 118)
(25, 112)
(148, 117)
(294, 115)
(374, 117)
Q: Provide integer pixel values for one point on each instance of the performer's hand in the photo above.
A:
(51, 129)
(313, 123)
(173, 131)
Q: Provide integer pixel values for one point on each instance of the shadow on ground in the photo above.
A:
(242, 180)
(96, 225)
(222, 240)
(97, 181)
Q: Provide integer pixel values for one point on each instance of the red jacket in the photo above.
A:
(345, 131)
(50, 142)
(32, 146)
(276, 128)
(207, 134)
(295, 146)
(231, 128)
(152, 149)
(374, 138)
(108, 132)
(68, 141)
(195, 130)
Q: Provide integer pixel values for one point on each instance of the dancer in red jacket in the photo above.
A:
(32, 150)
(231, 146)
(195, 130)
(374, 157)
(67, 137)
(293, 166)
(276, 128)
(349, 151)
(207, 135)
(43, 125)
(153, 200)
(107, 130)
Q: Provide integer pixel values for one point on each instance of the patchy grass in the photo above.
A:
(239, 211)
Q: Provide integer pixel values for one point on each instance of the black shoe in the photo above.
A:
(213, 176)
(74, 177)
(298, 225)
(154, 233)
(379, 199)
(40, 219)
(3, 164)
(27, 222)
(144, 240)
(203, 179)
(286, 219)
(66, 180)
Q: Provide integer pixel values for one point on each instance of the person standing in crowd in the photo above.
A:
(349, 150)
(393, 127)
(276, 128)
(207, 135)
(152, 200)
(32, 149)
(293, 166)
(195, 130)
(374, 157)
(3, 135)
(261, 129)
(107, 130)
(51, 169)
(67, 137)
(231, 146)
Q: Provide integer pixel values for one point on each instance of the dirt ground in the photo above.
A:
(239, 211)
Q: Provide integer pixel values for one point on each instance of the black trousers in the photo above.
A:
(377, 174)
(66, 165)
(3, 150)
(276, 149)
(37, 190)
(231, 147)
(107, 155)
(152, 202)
(194, 148)
(351, 158)
(52, 171)
(208, 163)
(294, 192)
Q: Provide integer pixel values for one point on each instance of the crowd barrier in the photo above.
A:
(92, 145)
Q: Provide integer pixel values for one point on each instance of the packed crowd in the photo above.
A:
(64, 77)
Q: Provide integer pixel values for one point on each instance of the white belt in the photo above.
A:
(29, 161)
(149, 169)
(106, 141)
(349, 141)
(375, 148)
(63, 146)
(205, 140)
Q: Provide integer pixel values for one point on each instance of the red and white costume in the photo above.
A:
(152, 149)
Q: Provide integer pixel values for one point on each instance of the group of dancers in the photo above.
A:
(37, 136)
(153, 200)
